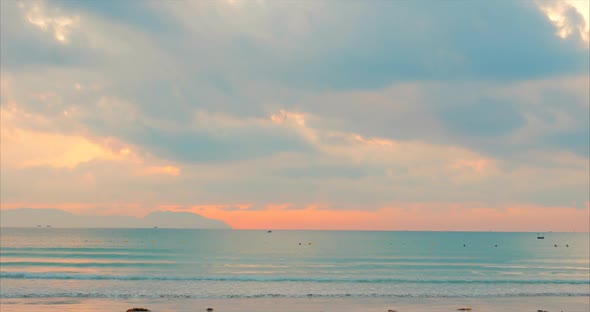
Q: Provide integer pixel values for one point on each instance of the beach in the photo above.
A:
(319, 155)
(569, 304)
(237, 270)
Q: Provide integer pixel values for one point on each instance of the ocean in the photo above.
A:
(167, 263)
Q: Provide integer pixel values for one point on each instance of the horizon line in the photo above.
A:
(271, 229)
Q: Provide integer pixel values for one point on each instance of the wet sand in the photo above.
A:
(521, 304)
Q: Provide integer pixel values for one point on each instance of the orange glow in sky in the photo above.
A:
(429, 217)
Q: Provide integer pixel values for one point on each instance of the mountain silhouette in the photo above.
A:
(32, 217)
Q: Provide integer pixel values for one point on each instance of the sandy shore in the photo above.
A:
(569, 304)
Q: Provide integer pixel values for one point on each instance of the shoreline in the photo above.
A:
(487, 304)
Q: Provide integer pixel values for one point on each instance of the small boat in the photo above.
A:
(540, 236)
(269, 231)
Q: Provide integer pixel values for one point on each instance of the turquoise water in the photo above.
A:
(125, 263)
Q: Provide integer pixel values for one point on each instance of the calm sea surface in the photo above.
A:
(126, 263)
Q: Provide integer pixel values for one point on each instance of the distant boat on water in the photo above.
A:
(540, 236)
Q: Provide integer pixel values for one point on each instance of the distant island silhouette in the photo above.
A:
(32, 217)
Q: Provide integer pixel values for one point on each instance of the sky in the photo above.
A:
(337, 115)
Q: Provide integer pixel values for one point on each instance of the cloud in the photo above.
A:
(358, 45)
(570, 17)
(483, 118)
(59, 25)
(499, 119)
(294, 107)
(321, 45)
(22, 147)
(221, 138)
(70, 167)
(223, 154)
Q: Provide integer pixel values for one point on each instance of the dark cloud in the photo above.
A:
(23, 46)
(484, 117)
(575, 141)
(140, 15)
(386, 42)
(351, 45)
(201, 145)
